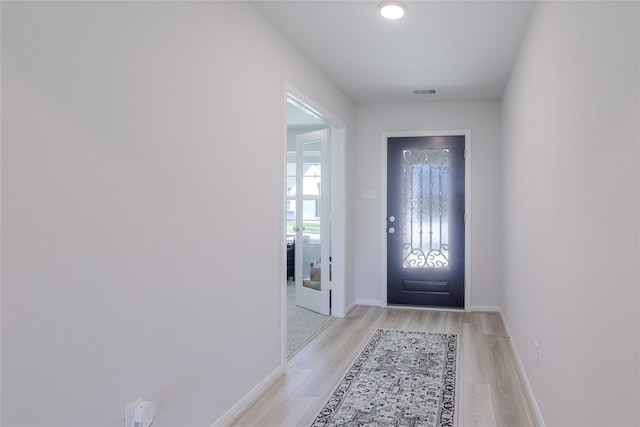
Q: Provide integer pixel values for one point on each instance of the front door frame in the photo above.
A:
(467, 208)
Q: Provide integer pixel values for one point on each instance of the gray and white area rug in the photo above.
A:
(401, 378)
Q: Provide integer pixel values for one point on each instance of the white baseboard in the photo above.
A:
(373, 302)
(251, 397)
(486, 308)
(525, 380)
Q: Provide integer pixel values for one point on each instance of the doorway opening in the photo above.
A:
(309, 226)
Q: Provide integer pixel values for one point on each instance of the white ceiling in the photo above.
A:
(463, 49)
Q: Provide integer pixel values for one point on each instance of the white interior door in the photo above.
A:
(312, 225)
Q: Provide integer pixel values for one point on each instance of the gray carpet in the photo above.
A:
(302, 324)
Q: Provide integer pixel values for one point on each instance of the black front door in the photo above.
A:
(425, 221)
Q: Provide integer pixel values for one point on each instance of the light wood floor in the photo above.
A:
(489, 390)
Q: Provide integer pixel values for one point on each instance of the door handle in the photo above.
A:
(296, 228)
(391, 219)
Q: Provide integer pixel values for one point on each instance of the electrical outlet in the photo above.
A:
(129, 411)
(537, 353)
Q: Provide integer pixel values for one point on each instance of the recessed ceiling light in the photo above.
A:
(392, 9)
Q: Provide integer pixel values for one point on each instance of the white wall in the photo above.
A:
(571, 174)
(133, 135)
(483, 119)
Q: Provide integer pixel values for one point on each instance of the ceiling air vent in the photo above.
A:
(424, 91)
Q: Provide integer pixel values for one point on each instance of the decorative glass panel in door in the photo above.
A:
(425, 210)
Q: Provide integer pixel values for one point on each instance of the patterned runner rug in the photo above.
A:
(401, 378)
